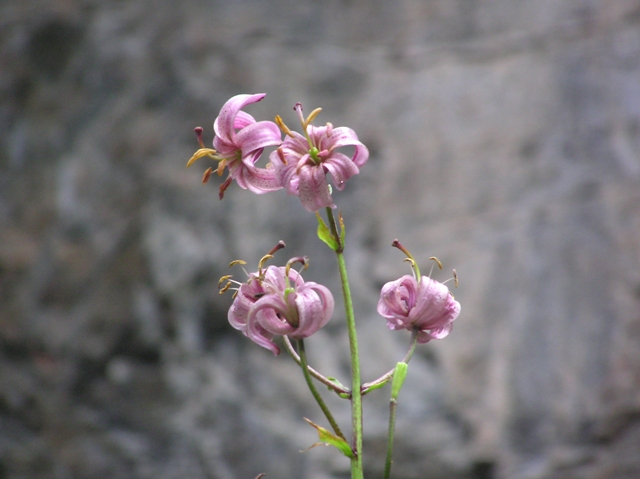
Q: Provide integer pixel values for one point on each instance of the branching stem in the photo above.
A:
(315, 393)
(323, 379)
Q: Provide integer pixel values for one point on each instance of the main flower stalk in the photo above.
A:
(356, 392)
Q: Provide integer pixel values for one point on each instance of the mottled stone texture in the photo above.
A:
(504, 139)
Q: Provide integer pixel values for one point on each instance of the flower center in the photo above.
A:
(313, 154)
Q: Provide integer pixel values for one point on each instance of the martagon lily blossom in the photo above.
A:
(238, 145)
(302, 162)
(418, 303)
(426, 306)
(278, 302)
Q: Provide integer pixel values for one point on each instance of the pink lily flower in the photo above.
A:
(248, 294)
(238, 145)
(301, 162)
(427, 307)
(280, 303)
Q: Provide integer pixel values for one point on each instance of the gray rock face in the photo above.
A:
(504, 139)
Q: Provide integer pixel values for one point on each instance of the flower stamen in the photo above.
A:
(202, 152)
(411, 261)
(221, 166)
(262, 261)
(298, 259)
(229, 281)
(281, 244)
(281, 156)
(223, 187)
(311, 117)
(283, 127)
(433, 258)
(437, 261)
(298, 109)
(207, 175)
(329, 130)
(416, 269)
(198, 131)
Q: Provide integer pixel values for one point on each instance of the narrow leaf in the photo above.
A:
(373, 387)
(336, 382)
(324, 233)
(399, 375)
(328, 438)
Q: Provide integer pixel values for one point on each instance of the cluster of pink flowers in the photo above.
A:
(277, 301)
(299, 164)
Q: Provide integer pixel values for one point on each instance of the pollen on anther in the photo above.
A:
(207, 175)
(433, 258)
(411, 261)
(312, 116)
(281, 156)
(263, 260)
(285, 129)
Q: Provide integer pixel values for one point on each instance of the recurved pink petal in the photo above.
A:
(243, 120)
(258, 136)
(341, 168)
(242, 303)
(257, 180)
(224, 125)
(397, 298)
(225, 148)
(315, 307)
(313, 189)
(269, 312)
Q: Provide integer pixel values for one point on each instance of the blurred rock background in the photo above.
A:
(504, 139)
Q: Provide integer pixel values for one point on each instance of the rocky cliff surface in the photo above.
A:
(504, 139)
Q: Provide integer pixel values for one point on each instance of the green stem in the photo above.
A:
(356, 392)
(392, 424)
(399, 376)
(315, 393)
(336, 235)
(382, 380)
(339, 389)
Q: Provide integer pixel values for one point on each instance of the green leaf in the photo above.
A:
(336, 382)
(328, 438)
(399, 375)
(373, 387)
(324, 233)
